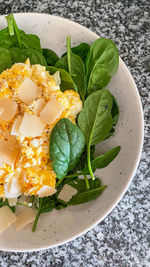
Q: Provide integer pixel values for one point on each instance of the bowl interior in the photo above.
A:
(58, 227)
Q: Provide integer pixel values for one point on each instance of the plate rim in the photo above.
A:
(135, 166)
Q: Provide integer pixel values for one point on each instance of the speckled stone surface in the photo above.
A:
(122, 239)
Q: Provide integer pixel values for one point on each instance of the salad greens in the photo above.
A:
(66, 146)
(102, 59)
(83, 194)
(95, 120)
(87, 70)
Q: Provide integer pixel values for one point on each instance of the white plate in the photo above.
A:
(59, 227)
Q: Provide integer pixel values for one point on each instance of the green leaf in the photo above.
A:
(21, 54)
(5, 203)
(83, 194)
(103, 160)
(99, 78)
(62, 63)
(30, 41)
(102, 62)
(7, 41)
(115, 112)
(112, 131)
(13, 28)
(95, 119)
(83, 160)
(115, 117)
(13, 37)
(50, 56)
(66, 80)
(66, 147)
(80, 50)
(74, 65)
(103, 51)
(45, 204)
(76, 69)
(5, 59)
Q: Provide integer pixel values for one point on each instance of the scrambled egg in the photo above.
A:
(32, 172)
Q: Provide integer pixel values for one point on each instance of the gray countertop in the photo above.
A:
(122, 239)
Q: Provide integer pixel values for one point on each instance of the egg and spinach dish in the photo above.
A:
(53, 112)
(31, 103)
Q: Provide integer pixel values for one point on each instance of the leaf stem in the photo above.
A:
(87, 182)
(69, 53)
(73, 175)
(26, 204)
(60, 181)
(89, 162)
(36, 221)
(16, 31)
(13, 28)
(10, 24)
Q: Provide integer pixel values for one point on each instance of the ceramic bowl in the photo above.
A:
(58, 227)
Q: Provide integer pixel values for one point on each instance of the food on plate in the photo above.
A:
(53, 111)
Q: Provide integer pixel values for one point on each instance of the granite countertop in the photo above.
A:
(122, 239)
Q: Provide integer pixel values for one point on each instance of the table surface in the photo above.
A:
(122, 238)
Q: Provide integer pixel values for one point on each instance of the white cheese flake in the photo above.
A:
(57, 79)
(52, 110)
(8, 109)
(38, 105)
(46, 191)
(25, 217)
(28, 91)
(7, 218)
(13, 187)
(12, 201)
(67, 193)
(31, 125)
(9, 150)
(16, 125)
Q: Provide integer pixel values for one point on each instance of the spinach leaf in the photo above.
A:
(5, 203)
(66, 146)
(5, 59)
(99, 78)
(83, 194)
(6, 40)
(103, 51)
(76, 69)
(115, 111)
(102, 62)
(83, 160)
(115, 117)
(66, 80)
(21, 54)
(80, 50)
(95, 120)
(13, 37)
(45, 204)
(13, 28)
(103, 160)
(50, 56)
(74, 65)
(112, 131)
(62, 63)
(27, 40)
(30, 41)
